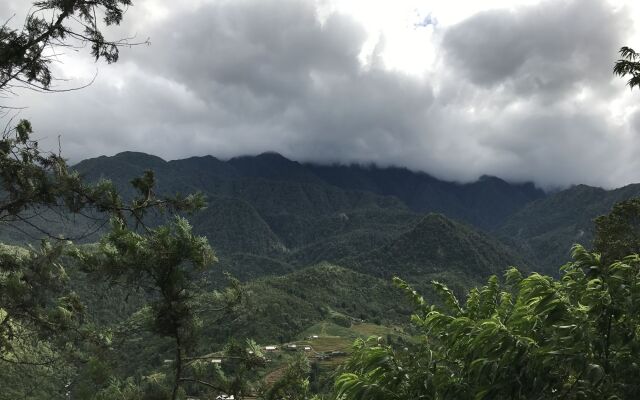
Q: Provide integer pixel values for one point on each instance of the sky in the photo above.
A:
(519, 89)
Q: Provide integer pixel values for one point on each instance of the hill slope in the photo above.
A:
(546, 229)
(485, 203)
(279, 308)
(438, 248)
(269, 215)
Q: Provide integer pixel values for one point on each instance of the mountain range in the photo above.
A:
(320, 243)
(268, 215)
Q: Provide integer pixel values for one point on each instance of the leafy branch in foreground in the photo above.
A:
(36, 298)
(167, 258)
(628, 65)
(526, 338)
(26, 54)
(33, 181)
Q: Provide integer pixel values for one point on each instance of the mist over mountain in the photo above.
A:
(277, 215)
(268, 215)
(485, 203)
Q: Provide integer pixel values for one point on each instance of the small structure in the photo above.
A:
(292, 347)
(307, 348)
(271, 348)
(216, 361)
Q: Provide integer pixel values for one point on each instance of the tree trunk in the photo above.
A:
(176, 385)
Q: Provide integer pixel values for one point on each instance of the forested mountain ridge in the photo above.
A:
(270, 215)
(484, 203)
(435, 248)
(546, 229)
(300, 213)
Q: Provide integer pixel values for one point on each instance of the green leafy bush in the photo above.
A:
(528, 337)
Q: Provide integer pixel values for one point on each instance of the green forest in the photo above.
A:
(259, 277)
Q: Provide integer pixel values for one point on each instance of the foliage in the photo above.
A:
(628, 65)
(24, 54)
(294, 382)
(233, 376)
(618, 233)
(32, 366)
(32, 294)
(33, 282)
(31, 180)
(42, 321)
(37, 300)
(527, 338)
(43, 326)
(164, 260)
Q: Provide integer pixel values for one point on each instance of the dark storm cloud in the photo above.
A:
(520, 94)
(549, 47)
(271, 49)
(281, 70)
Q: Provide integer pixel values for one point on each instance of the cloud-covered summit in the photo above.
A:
(524, 93)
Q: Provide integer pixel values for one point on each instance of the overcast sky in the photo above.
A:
(518, 89)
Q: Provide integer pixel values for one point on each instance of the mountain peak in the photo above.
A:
(437, 245)
(137, 157)
(273, 155)
(490, 178)
(133, 159)
(271, 165)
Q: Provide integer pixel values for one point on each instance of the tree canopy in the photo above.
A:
(26, 54)
(628, 65)
(618, 233)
